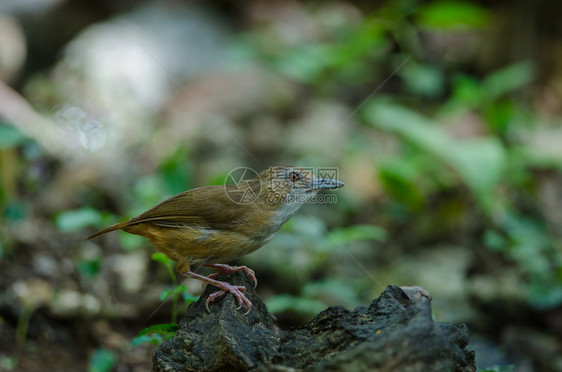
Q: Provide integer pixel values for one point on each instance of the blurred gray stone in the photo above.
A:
(13, 46)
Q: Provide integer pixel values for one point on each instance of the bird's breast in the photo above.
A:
(263, 225)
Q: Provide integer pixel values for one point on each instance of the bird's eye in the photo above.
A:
(294, 176)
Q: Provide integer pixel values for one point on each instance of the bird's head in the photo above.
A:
(290, 184)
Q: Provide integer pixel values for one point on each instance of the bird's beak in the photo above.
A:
(324, 183)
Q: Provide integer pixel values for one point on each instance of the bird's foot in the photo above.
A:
(236, 290)
(226, 269)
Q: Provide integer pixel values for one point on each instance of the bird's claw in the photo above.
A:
(212, 297)
(236, 290)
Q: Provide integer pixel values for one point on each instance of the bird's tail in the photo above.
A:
(117, 226)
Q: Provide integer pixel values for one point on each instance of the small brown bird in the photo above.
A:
(215, 224)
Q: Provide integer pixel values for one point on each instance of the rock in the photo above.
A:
(225, 339)
(396, 332)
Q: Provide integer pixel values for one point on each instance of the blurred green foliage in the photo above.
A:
(157, 333)
(174, 175)
(10, 137)
(492, 97)
(506, 368)
(102, 360)
(342, 236)
(76, 220)
(177, 291)
(8, 363)
(478, 162)
(493, 165)
(484, 164)
(446, 15)
(304, 246)
(90, 266)
(283, 302)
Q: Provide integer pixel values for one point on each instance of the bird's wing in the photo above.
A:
(207, 207)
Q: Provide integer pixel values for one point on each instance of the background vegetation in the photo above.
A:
(442, 117)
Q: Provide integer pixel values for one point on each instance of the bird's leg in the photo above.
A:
(226, 269)
(236, 290)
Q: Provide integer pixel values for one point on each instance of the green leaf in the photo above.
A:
(400, 178)
(479, 162)
(147, 339)
(360, 43)
(500, 115)
(162, 258)
(358, 232)
(409, 125)
(164, 295)
(188, 297)
(508, 79)
(159, 328)
(78, 219)
(90, 267)
(447, 15)
(155, 334)
(10, 136)
(468, 91)
(102, 360)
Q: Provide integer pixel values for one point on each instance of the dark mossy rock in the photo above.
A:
(396, 332)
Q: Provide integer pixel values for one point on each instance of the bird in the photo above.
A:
(212, 225)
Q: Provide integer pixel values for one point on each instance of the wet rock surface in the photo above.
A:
(396, 332)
